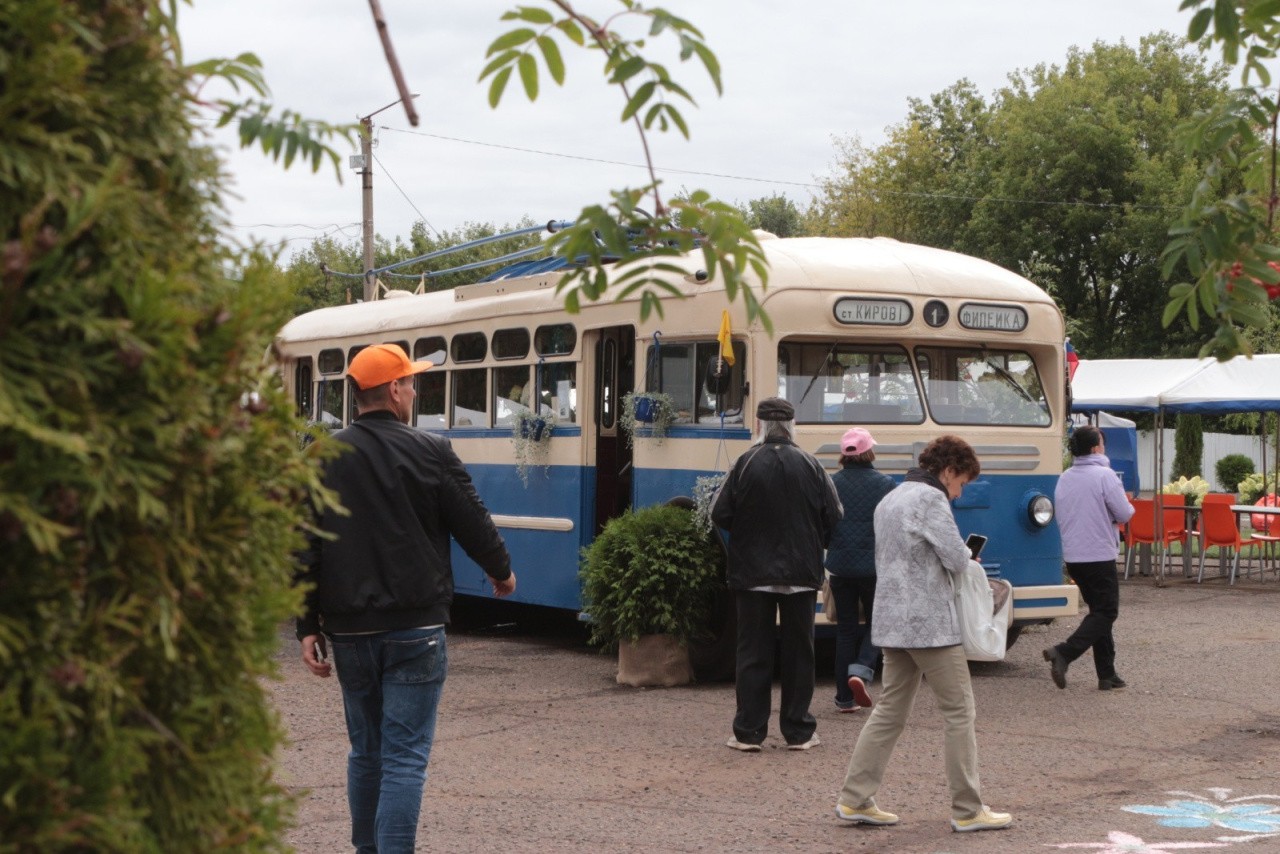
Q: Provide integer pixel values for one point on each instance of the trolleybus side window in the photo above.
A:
(303, 392)
(511, 392)
(470, 396)
(469, 347)
(332, 387)
(683, 376)
(969, 386)
(430, 407)
(558, 390)
(556, 340)
(830, 382)
(511, 343)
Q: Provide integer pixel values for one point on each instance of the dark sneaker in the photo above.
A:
(1057, 666)
(1111, 682)
(860, 695)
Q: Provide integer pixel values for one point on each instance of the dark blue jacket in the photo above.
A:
(852, 550)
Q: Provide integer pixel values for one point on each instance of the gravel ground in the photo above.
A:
(539, 749)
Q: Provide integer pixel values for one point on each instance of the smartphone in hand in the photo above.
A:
(975, 544)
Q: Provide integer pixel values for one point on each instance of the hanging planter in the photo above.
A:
(531, 439)
(652, 410)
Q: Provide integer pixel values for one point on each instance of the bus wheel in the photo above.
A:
(714, 657)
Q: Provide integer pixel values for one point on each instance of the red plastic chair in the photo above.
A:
(1141, 529)
(1219, 528)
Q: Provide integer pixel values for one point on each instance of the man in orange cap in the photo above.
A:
(382, 585)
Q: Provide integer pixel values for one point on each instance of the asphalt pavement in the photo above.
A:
(539, 749)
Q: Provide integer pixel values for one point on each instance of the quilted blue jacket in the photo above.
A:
(852, 550)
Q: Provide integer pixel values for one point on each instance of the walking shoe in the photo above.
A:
(813, 741)
(986, 819)
(859, 689)
(865, 815)
(849, 709)
(1111, 682)
(1057, 666)
(742, 745)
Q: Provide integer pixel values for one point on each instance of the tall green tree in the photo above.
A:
(151, 483)
(1071, 171)
(775, 214)
(1188, 446)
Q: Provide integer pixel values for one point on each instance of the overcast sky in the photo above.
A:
(796, 76)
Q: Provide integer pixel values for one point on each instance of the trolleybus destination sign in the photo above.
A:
(873, 312)
(995, 318)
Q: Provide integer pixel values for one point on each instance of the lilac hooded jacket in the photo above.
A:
(1090, 503)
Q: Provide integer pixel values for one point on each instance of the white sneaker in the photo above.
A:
(866, 815)
(742, 745)
(813, 741)
(986, 819)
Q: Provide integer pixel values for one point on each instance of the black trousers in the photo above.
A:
(1100, 588)
(760, 617)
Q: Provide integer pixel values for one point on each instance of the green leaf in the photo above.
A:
(534, 15)
(529, 75)
(642, 94)
(572, 31)
(1196, 30)
(628, 69)
(551, 55)
(506, 41)
(497, 62)
(498, 85)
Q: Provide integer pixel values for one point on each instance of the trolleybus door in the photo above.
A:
(615, 378)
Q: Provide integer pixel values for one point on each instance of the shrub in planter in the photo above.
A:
(651, 571)
(1232, 469)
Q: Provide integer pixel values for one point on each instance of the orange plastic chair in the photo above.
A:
(1142, 527)
(1219, 528)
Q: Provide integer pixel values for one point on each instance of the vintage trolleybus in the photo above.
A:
(907, 341)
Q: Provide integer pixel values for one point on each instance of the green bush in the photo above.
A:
(151, 483)
(651, 571)
(1232, 469)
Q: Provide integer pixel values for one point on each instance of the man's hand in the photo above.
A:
(504, 588)
(314, 653)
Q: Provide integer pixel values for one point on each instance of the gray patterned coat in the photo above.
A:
(917, 544)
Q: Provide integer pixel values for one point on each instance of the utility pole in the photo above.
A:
(366, 195)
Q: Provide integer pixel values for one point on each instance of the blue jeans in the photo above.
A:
(856, 655)
(391, 684)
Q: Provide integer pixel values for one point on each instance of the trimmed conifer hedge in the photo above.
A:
(149, 500)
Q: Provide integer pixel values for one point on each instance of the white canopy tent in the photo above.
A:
(1206, 386)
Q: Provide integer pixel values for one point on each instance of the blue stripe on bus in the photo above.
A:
(1054, 602)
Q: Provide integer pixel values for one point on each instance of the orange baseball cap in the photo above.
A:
(382, 363)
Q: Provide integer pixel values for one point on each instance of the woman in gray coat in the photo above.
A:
(918, 549)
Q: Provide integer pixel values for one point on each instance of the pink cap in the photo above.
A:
(856, 441)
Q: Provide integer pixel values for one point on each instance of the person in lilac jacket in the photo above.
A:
(1091, 503)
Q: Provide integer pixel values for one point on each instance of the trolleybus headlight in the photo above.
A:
(1040, 511)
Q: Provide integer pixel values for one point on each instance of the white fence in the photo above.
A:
(1216, 446)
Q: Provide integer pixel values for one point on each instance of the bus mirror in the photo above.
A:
(717, 376)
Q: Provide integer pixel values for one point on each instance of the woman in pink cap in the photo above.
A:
(851, 560)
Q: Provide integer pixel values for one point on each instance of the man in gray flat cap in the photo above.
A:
(779, 508)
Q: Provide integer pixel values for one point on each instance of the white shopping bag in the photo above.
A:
(983, 628)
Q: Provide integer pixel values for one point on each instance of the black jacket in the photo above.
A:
(852, 550)
(779, 507)
(388, 567)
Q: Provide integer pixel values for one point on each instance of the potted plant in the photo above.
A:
(649, 584)
(653, 410)
(1194, 488)
(531, 438)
